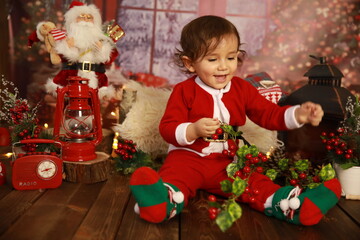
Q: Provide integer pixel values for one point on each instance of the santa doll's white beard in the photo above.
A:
(85, 34)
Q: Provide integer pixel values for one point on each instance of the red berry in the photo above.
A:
(212, 198)
(219, 131)
(316, 179)
(225, 152)
(248, 156)
(256, 160)
(349, 151)
(331, 134)
(293, 182)
(328, 147)
(215, 136)
(212, 216)
(323, 134)
(247, 190)
(339, 152)
(256, 191)
(259, 169)
(238, 174)
(347, 156)
(232, 147)
(232, 153)
(246, 169)
(264, 158)
(213, 210)
(302, 175)
(252, 199)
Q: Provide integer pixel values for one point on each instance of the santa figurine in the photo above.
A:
(85, 50)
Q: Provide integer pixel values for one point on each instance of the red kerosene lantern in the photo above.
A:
(79, 120)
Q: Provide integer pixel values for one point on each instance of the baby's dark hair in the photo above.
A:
(197, 38)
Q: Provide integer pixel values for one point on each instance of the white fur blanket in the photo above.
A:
(142, 121)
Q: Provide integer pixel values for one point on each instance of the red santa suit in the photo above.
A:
(92, 50)
(200, 164)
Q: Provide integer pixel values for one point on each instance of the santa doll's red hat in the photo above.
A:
(75, 3)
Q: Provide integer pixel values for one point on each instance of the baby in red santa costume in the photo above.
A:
(211, 50)
(85, 50)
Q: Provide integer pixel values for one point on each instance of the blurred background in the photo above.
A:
(278, 35)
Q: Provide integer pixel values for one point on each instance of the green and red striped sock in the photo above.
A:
(156, 200)
(309, 207)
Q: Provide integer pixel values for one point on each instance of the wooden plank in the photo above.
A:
(352, 208)
(256, 225)
(14, 204)
(5, 190)
(196, 224)
(132, 223)
(105, 216)
(57, 214)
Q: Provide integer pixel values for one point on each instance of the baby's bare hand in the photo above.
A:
(309, 112)
(204, 127)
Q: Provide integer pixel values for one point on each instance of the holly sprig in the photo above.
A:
(128, 157)
(247, 160)
(343, 146)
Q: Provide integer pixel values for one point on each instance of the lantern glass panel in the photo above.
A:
(78, 123)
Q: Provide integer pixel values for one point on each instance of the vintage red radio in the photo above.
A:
(36, 170)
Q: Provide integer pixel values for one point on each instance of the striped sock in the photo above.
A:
(309, 207)
(157, 201)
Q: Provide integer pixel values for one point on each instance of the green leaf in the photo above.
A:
(294, 174)
(231, 169)
(238, 186)
(234, 210)
(327, 172)
(226, 186)
(347, 165)
(214, 204)
(302, 165)
(224, 220)
(283, 164)
(313, 185)
(271, 173)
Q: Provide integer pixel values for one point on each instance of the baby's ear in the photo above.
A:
(188, 63)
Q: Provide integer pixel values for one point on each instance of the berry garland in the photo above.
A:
(17, 114)
(128, 158)
(343, 146)
(247, 160)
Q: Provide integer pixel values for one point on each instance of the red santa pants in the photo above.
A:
(190, 172)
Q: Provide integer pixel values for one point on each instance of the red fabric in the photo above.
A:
(75, 3)
(32, 38)
(310, 214)
(61, 77)
(189, 102)
(190, 172)
(58, 34)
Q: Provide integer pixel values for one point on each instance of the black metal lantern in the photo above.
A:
(324, 88)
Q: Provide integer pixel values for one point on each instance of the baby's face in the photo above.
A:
(217, 68)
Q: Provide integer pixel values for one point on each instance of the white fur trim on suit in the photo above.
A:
(70, 53)
(50, 87)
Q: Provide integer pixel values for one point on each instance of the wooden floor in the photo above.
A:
(105, 211)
